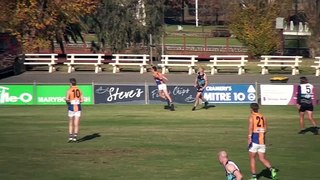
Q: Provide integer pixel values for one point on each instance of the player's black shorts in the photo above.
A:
(199, 89)
(306, 107)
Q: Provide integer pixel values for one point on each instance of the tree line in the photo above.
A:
(119, 24)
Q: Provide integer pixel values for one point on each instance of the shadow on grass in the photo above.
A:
(265, 173)
(313, 130)
(89, 137)
(208, 106)
(205, 107)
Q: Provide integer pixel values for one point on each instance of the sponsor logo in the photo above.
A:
(5, 96)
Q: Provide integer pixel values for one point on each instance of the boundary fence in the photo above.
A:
(54, 94)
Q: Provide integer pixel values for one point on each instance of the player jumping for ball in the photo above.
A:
(162, 87)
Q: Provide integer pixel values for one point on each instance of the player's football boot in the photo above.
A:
(206, 105)
(253, 178)
(171, 107)
(74, 139)
(274, 174)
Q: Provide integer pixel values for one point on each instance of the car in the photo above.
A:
(11, 59)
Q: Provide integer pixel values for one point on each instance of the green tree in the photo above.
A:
(253, 23)
(122, 24)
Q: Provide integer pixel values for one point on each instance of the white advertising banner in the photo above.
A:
(277, 94)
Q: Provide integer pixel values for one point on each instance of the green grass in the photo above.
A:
(200, 40)
(191, 28)
(175, 37)
(147, 142)
(189, 40)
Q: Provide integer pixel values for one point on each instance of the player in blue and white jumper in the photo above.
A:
(201, 82)
(304, 103)
(232, 170)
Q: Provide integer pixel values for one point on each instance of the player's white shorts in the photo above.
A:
(74, 113)
(257, 148)
(162, 87)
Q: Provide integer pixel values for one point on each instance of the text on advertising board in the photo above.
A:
(230, 93)
(119, 93)
(16, 94)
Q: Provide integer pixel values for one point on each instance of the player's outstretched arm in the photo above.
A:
(164, 77)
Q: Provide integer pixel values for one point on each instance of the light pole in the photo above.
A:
(197, 17)
(297, 25)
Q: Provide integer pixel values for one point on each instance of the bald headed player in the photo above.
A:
(232, 170)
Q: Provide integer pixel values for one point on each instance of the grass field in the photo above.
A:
(138, 142)
(177, 37)
(195, 40)
(201, 41)
(192, 28)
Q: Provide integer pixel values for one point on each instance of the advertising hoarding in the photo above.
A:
(230, 93)
(179, 94)
(56, 94)
(281, 94)
(16, 94)
(129, 94)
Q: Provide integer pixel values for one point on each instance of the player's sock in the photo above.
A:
(168, 102)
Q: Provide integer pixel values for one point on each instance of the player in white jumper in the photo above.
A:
(304, 103)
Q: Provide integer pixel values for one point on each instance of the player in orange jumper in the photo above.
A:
(257, 129)
(74, 99)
